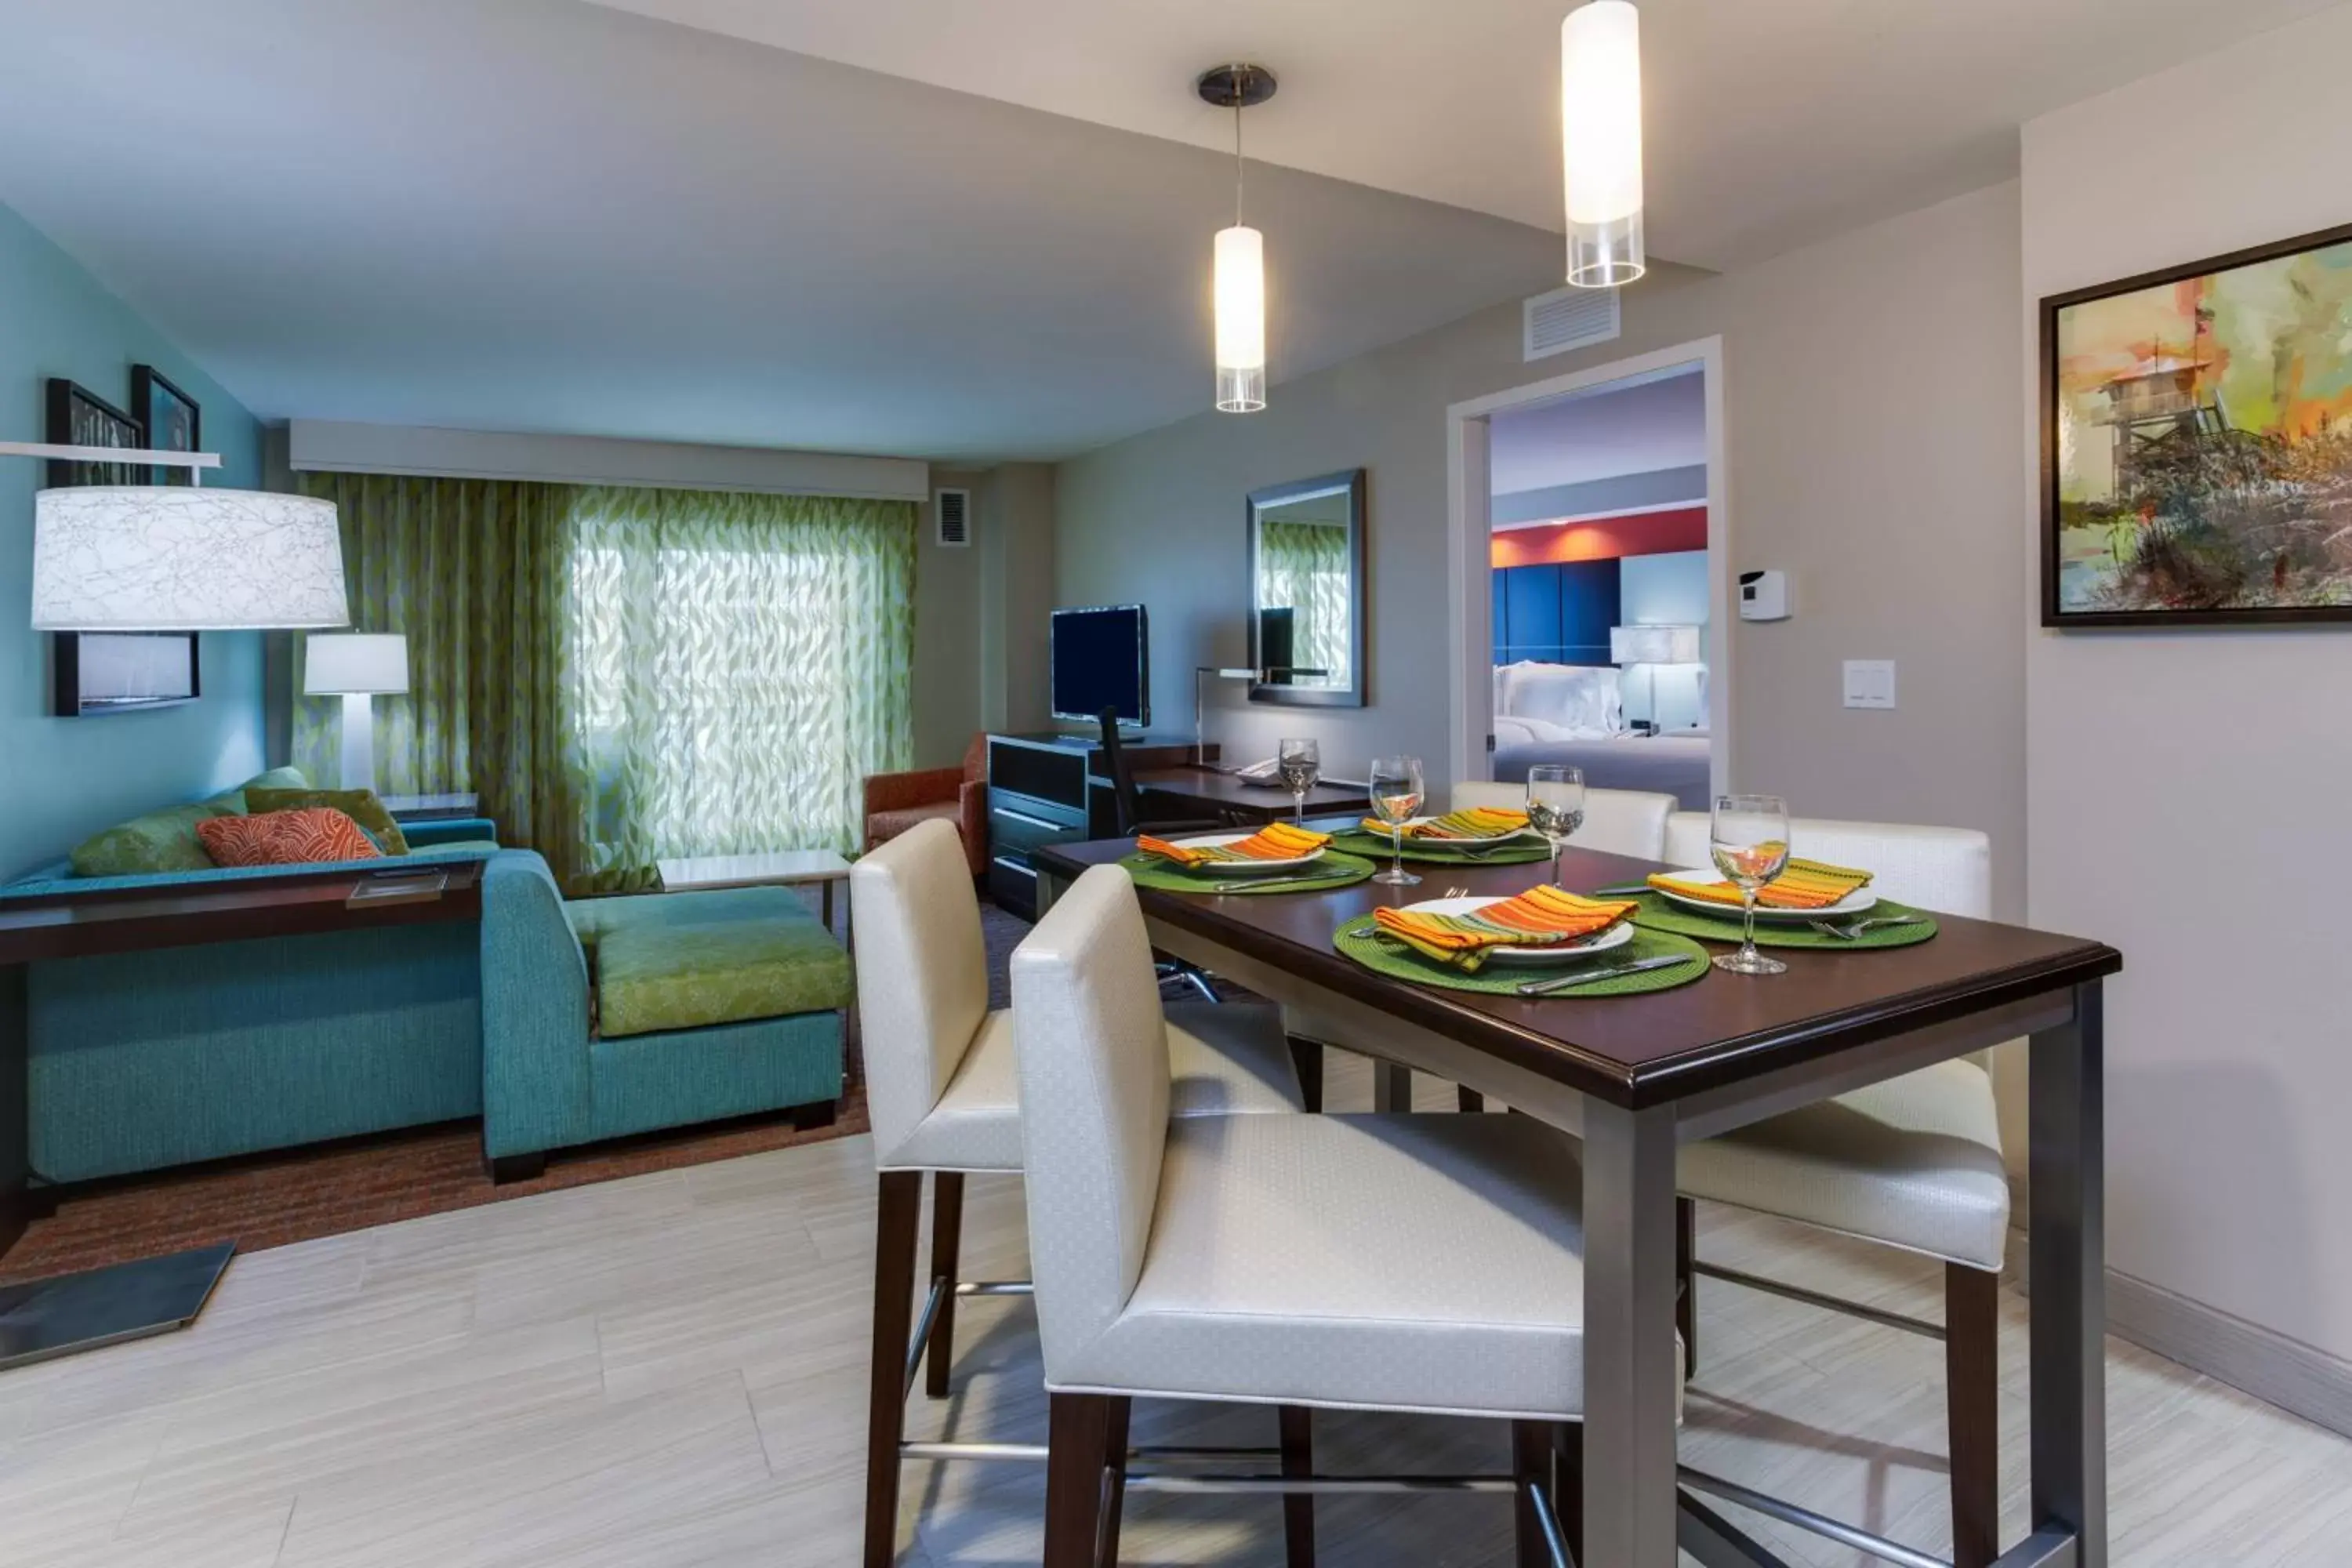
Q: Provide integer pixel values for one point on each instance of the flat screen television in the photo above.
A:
(1101, 658)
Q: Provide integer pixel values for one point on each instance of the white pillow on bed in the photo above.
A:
(1514, 729)
(1580, 699)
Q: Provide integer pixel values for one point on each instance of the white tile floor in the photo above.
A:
(670, 1371)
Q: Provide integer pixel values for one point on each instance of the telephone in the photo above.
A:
(1268, 771)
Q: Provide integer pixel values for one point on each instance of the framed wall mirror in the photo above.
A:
(1306, 592)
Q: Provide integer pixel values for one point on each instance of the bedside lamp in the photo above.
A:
(358, 668)
(1654, 645)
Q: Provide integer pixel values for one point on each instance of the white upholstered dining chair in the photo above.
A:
(943, 1097)
(1914, 1163)
(1428, 1264)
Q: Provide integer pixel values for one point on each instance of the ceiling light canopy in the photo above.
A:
(1240, 257)
(1601, 142)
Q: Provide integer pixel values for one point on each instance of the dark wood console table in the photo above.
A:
(79, 1312)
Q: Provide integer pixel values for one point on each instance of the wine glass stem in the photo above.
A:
(1748, 923)
(1298, 808)
(1559, 848)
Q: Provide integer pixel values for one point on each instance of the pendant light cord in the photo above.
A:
(1237, 160)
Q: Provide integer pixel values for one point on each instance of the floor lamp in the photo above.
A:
(149, 558)
(359, 667)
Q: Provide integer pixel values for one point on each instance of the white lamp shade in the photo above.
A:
(158, 558)
(1653, 645)
(354, 663)
(1241, 320)
(1601, 142)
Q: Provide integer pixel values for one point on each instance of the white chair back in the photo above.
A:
(922, 975)
(1944, 868)
(1093, 1091)
(1616, 821)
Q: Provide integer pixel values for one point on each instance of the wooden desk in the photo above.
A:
(1635, 1077)
(79, 1312)
(1204, 792)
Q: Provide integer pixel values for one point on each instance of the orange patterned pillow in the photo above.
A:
(314, 834)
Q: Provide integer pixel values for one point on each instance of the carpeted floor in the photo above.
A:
(269, 1200)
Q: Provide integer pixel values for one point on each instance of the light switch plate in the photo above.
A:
(1870, 683)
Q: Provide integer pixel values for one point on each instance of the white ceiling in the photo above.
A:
(562, 216)
(1609, 431)
(1768, 121)
(541, 215)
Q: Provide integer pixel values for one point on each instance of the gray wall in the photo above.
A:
(64, 779)
(946, 631)
(2216, 754)
(1871, 421)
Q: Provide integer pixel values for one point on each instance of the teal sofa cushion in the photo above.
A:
(686, 960)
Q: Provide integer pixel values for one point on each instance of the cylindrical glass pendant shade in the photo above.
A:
(1241, 320)
(1601, 142)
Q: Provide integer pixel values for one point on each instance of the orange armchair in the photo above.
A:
(896, 802)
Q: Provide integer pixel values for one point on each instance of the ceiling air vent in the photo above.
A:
(1569, 318)
(952, 510)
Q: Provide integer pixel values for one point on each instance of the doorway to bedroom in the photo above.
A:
(1590, 578)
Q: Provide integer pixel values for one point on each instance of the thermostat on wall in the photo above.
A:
(1764, 596)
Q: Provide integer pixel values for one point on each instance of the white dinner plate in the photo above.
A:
(1617, 935)
(1861, 900)
(1242, 867)
(1381, 829)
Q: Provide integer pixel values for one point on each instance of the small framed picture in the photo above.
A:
(173, 421)
(80, 418)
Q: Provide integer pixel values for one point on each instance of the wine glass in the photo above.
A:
(1750, 840)
(1555, 806)
(1396, 799)
(1301, 764)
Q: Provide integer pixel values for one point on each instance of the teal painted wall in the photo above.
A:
(63, 779)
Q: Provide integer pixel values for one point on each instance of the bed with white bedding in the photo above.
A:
(1573, 714)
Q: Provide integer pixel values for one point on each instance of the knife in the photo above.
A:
(1624, 892)
(1569, 982)
(1263, 883)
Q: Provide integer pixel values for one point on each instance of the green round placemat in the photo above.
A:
(1654, 913)
(1358, 940)
(1151, 871)
(1374, 847)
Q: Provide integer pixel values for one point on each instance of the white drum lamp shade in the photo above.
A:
(1601, 142)
(1653, 645)
(355, 664)
(359, 667)
(157, 558)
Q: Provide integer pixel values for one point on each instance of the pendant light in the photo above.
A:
(1601, 142)
(1240, 257)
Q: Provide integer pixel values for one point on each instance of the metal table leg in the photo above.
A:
(2066, 1082)
(1630, 1357)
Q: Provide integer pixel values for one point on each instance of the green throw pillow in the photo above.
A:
(159, 841)
(276, 778)
(362, 805)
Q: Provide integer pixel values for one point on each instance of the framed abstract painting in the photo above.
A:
(2197, 442)
(174, 423)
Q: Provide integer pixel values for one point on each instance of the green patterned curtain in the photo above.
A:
(624, 675)
(743, 662)
(473, 573)
(1305, 566)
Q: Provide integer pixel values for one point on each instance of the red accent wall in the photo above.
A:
(1603, 538)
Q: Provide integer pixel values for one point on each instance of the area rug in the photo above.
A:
(298, 1194)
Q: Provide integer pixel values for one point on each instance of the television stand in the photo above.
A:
(1052, 787)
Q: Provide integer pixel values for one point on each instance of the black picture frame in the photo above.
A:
(74, 652)
(173, 421)
(77, 417)
(2052, 310)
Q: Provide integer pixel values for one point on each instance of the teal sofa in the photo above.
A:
(143, 1060)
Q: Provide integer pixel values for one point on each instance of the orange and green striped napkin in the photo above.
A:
(1540, 917)
(1278, 841)
(1479, 822)
(1804, 885)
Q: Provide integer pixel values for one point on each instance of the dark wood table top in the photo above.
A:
(1648, 1049)
(1225, 792)
(68, 924)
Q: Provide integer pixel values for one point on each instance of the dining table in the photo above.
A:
(1635, 1077)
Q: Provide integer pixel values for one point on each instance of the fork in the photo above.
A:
(1852, 930)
